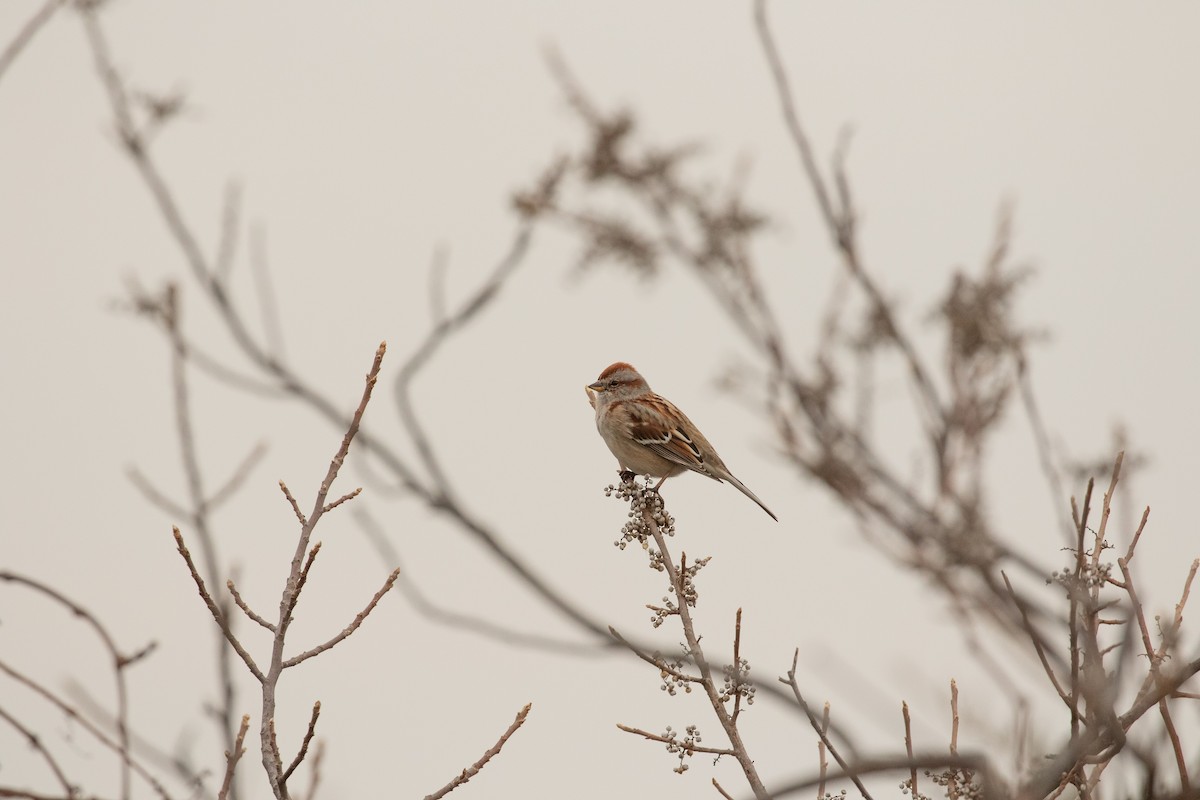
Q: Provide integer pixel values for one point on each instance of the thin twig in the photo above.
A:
(737, 667)
(1037, 642)
(885, 764)
(154, 495)
(297, 575)
(816, 725)
(658, 737)
(348, 496)
(122, 752)
(249, 612)
(233, 756)
(214, 609)
(237, 479)
(120, 661)
(308, 735)
(349, 629)
(908, 748)
(423, 605)
(27, 32)
(653, 660)
(489, 754)
(721, 789)
(292, 500)
(260, 268)
(34, 743)
(271, 363)
(676, 576)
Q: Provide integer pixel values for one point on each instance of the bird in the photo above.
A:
(649, 435)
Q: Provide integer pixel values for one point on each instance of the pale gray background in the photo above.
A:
(365, 135)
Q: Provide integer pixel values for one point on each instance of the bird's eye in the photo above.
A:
(613, 384)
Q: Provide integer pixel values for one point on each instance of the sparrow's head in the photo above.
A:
(618, 381)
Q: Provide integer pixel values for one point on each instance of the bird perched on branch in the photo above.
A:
(649, 435)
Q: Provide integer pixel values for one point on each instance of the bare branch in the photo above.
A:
(237, 479)
(35, 744)
(119, 660)
(121, 750)
(292, 500)
(821, 729)
(885, 764)
(489, 754)
(27, 32)
(481, 627)
(349, 629)
(249, 612)
(350, 496)
(213, 609)
(308, 735)
(153, 495)
(691, 748)
(233, 756)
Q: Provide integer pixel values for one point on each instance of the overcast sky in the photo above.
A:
(364, 137)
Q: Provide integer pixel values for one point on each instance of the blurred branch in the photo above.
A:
(121, 750)
(25, 35)
(433, 489)
(34, 742)
(420, 602)
(120, 661)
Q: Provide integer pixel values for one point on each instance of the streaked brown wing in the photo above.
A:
(655, 429)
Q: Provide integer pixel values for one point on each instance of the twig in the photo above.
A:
(120, 661)
(27, 32)
(122, 752)
(233, 756)
(349, 496)
(721, 789)
(676, 576)
(695, 748)
(292, 500)
(349, 629)
(35, 744)
(840, 222)
(884, 764)
(489, 754)
(1037, 644)
(315, 769)
(271, 363)
(953, 717)
(213, 609)
(308, 735)
(154, 495)
(249, 612)
(908, 748)
(237, 479)
(816, 725)
(261, 270)
(228, 236)
(1042, 442)
(297, 574)
(654, 661)
(510, 636)
(735, 677)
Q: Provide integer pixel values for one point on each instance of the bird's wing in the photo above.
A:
(659, 425)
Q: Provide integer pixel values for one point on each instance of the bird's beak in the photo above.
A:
(598, 386)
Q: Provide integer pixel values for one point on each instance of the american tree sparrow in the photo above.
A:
(649, 435)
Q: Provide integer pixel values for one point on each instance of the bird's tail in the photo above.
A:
(744, 489)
